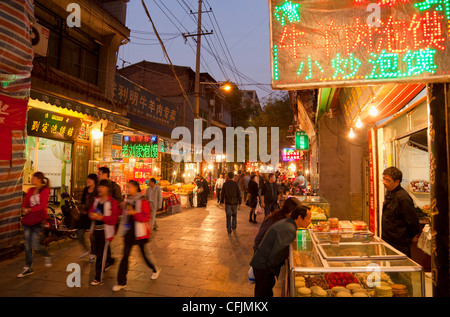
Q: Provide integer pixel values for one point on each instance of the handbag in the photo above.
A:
(251, 276)
(258, 209)
(200, 190)
(424, 242)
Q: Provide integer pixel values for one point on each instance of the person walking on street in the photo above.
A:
(116, 192)
(135, 229)
(154, 197)
(34, 209)
(231, 195)
(269, 195)
(260, 181)
(205, 193)
(83, 224)
(274, 250)
(104, 214)
(253, 198)
(245, 181)
(400, 222)
(218, 186)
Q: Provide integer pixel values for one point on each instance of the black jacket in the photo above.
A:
(270, 193)
(400, 222)
(274, 247)
(253, 191)
(230, 193)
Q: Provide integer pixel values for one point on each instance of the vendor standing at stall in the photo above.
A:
(400, 222)
(154, 196)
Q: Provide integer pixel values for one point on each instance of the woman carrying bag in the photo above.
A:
(252, 200)
(34, 209)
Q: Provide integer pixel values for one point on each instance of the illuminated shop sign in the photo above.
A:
(358, 42)
(301, 141)
(51, 125)
(291, 154)
(140, 146)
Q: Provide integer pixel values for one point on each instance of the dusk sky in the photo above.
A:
(240, 40)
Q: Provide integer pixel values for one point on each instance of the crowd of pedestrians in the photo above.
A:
(107, 214)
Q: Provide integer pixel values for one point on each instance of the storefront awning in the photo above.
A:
(325, 100)
(389, 99)
(79, 107)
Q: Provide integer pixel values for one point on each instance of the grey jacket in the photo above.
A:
(155, 199)
(274, 248)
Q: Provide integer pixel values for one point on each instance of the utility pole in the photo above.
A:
(197, 63)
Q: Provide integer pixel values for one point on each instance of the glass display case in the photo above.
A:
(320, 207)
(353, 264)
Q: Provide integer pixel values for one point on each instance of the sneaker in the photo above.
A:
(92, 258)
(155, 275)
(26, 271)
(48, 261)
(95, 283)
(117, 288)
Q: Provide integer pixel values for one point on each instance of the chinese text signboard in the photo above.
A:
(358, 42)
(290, 154)
(301, 141)
(143, 104)
(51, 125)
(140, 146)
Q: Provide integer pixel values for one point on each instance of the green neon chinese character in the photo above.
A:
(384, 66)
(439, 5)
(154, 151)
(420, 61)
(290, 10)
(310, 68)
(125, 150)
(348, 67)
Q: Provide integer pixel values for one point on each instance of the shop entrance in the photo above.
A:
(54, 159)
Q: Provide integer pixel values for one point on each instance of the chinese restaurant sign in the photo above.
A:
(143, 106)
(51, 125)
(358, 42)
(290, 154)
(140, 146)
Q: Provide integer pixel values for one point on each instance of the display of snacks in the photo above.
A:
(333, 223)
(399, 290)
(345, 225)
(317, 213)
(420, 186)
(303, 259)
(304, 292)
(340, 279)
(359, 225)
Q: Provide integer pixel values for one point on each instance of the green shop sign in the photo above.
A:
(301, 141)
(140, 146)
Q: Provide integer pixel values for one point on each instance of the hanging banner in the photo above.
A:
(13, 113)
(331, 43)
(372, 183)
(51, 125)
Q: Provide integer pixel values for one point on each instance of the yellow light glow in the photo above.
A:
(359, 123)
(351, 134)
(373, 111)
(226, 87)
(97, 134)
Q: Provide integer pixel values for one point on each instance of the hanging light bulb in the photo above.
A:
(351, 134)
(373, 111)
(359, 123)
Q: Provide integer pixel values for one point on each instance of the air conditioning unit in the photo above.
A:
(39, 39)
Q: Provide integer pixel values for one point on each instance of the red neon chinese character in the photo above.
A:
(330, 41)
(291, 38)
(427, 31)
(359, 34)
(396, 34)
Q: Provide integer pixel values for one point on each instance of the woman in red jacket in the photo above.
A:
(104, 214)
(34, 209)
(135, 230)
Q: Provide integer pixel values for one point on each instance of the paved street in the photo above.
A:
(197, 257)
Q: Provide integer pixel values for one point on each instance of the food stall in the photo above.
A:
(343, 259)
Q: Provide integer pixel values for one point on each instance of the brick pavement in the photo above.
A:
(197, 257)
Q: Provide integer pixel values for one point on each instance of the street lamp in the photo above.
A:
(226, 86)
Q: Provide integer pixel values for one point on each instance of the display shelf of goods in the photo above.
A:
(420, 187)
(359, 268)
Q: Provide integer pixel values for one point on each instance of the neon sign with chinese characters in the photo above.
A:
(140, 146)
(348, 43)
(290, 154)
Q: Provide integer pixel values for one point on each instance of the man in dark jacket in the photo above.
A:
(231, 195)
(269, 195)
(400, 222)
(274, 249)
